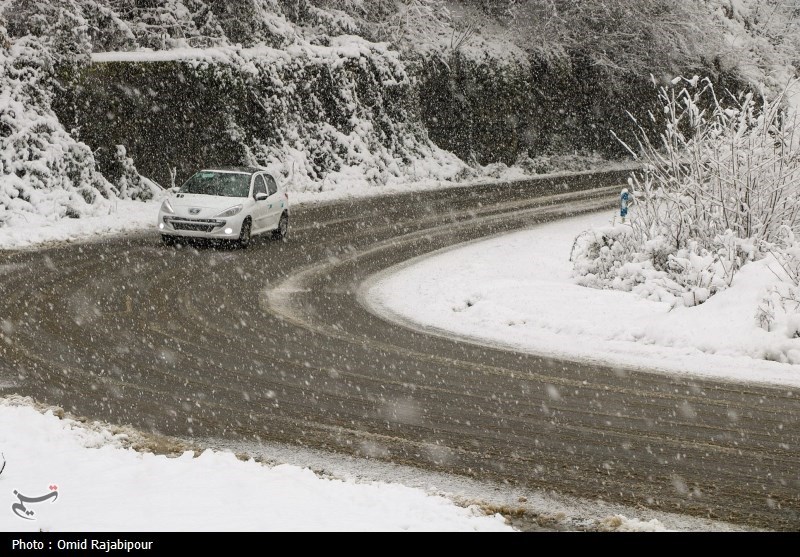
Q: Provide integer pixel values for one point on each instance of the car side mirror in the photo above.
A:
(176, 189)
(261, 196)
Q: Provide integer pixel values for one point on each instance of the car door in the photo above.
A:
(261, 211)
(275, 201)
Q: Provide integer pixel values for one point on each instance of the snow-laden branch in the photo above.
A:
(719, 187)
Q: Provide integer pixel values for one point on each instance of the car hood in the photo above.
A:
(218, 203)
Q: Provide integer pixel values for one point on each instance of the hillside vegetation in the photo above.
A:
(338, 93)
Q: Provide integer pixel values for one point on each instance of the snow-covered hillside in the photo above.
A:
(341, 93)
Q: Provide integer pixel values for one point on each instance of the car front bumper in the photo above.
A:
(192, 227)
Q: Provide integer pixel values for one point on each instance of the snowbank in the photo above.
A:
(120, 216)
(102, 486)
(517, 291)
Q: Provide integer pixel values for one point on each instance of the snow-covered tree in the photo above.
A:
(43, 170)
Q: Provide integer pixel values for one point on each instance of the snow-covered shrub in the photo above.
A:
(533, 165)
(717, 167)
(165, 24)
(123, 174)
(611, 257)
(558, 162)
(426, 16)
(495, 169)
(760, 37)
(107, 30)
(720, 186)
(606, 256)
(779, 309)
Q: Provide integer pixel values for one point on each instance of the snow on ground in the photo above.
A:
(541, 509)
(124, 216)
(103, 486)
(517, 291)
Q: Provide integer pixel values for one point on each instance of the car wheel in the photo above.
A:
(282, 231)
(244, 235)
(167, 240)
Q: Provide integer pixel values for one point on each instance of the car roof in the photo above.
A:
(238, 169)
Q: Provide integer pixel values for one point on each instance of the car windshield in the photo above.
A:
(226, 184)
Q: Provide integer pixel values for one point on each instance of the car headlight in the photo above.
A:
(230, 212)
(166, 206)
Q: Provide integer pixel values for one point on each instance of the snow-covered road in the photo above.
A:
(552, 280)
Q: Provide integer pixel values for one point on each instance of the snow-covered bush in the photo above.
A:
(717, 167)
(44, 172)
(59, 27)
(126, 178)
(604, 254)
(425, 16)
(558, 162)
(716, 191)
(779, 309)
(609, 257)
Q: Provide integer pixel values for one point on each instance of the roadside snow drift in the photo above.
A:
(517, 291)
(101, 486)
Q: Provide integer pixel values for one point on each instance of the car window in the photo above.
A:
(260, 186)
(226, 184)
(271, 185)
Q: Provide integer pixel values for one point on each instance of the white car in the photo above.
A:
(233, 203)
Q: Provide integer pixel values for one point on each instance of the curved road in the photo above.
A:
(272, 344)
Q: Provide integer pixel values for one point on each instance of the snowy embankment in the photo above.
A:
(123, 216)
(103, 486)
(517, 291)
(105, 481)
